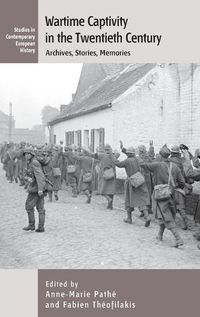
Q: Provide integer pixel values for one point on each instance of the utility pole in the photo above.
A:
(10, 122)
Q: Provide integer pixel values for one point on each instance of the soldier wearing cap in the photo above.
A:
(195, 158)
(97, 170)
(36, 190)
(134, 197)
(3, 151)
(86, 178)
(17, 156)
(48, 171)
(106, 183)
(22, 164)
(9, 162)
(175, 157)
(107, 187)
(165, 210)
(65, 164)
(143, 157)
(55, 164)
(73, 170)
(62, 165)
(179, 193)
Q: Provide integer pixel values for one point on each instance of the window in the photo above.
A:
(66, 138)
(76, 138)
(91, 139)
(54, 139)
(97, 139)
(79, 138)
(86, 139)
(102, 137)
(92, 143)
(69, 137)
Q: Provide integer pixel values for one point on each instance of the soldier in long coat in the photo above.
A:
(72, 177)
(22, 164)
(18, 154)
(36, 190)
(47, 168)
(180, 194)
(134, 197)
(165, 210)
(145, 157)
(9, 162)
(192, 173)
(62, 165)
(3, 151)
(65, 165)
(97, 170)
(55, 163)
(87, 174)
(5, 147)
(106, 187)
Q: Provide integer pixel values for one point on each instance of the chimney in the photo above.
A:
(63, 108)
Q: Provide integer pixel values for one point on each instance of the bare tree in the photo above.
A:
(48, 113)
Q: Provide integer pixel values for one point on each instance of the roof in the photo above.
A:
(92, 74)
(101, 94)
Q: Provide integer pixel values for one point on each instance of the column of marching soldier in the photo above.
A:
(155, 184)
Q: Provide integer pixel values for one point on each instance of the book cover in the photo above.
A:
(92, 93)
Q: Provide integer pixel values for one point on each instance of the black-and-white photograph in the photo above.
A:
(100, 166)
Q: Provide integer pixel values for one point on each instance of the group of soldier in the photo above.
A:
(43, 169)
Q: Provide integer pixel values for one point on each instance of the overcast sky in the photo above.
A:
(30, 87)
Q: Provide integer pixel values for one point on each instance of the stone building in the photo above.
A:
(133, 103)
(34, 136)
(4, 126)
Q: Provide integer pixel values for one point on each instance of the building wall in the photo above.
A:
(164, 106)
(96, 120)
(3, 135)
(196, 110)
(4, 127)
(47, 136)
(26, 135)
(190, 105)
(159, 107)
